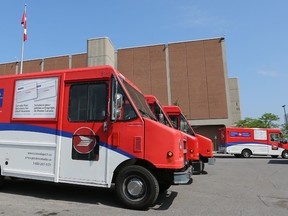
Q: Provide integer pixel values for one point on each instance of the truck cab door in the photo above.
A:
(82, 157)
(274, 141)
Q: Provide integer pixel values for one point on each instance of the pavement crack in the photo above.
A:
(259, 197)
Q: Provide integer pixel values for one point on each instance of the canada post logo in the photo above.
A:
(1, 96)
(240, 134)
(85, 144)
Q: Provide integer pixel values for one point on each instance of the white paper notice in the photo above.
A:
(46, 90)
(26, 92)
(36, 98)
(260, 135)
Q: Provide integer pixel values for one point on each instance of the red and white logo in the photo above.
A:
(84, 140)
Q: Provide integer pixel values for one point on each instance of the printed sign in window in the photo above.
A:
(46, 90)
(36, 98)
(26, 92)
(1, 96)
(260, 135)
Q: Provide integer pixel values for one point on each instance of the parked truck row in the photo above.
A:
(94, 127)
(199, 148)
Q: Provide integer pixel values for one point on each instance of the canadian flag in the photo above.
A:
(24, 23)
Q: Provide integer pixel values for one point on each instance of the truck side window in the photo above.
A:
(274, 137)
(174, 120)
(88, 102)
(159, 115)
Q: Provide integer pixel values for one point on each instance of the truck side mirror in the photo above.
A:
(161, 118)
(119, 101)
(119, 104)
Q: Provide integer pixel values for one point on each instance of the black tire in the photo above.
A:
(137, 187)
(202, 166)
(165, 180)
(246, 153)
(196, 167)
(285, 154)
(164, 186)
(238, 155)
(1, 179)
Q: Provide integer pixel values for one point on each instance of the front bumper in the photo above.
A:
(183, 177)
(211, 161)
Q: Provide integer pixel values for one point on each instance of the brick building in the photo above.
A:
(192, 74)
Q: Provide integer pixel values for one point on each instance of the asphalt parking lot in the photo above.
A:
(233, 186)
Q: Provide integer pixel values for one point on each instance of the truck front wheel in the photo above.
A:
(137, 187)
(285, 154)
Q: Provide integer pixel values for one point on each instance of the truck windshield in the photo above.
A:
(139, 101)
(185, 127)
(158, 111)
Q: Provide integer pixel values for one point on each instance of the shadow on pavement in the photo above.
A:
(278, 161)
(165, 200)
(75, 193)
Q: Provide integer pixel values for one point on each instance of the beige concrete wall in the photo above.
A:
(100, 51)
(235, 100)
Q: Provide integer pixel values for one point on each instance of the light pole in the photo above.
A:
(285, 114)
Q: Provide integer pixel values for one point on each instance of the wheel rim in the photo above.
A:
(246, 154)
(285, 154)
(135, 188)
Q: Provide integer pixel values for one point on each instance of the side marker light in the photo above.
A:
(169, 154)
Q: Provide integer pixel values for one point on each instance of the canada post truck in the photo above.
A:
(191, 141)
(205, 145)
(244, 142)
(88, 126)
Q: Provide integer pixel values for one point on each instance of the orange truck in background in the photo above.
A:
(191, 140)
(205, 145)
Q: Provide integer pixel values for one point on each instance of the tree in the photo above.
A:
(176, 103)
(284, 129)
(267, 120)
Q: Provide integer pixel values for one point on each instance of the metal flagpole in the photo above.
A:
(23, 39)
(22, 56)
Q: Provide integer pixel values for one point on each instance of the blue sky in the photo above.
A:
(256, 36)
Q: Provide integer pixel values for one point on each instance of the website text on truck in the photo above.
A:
(88, 126)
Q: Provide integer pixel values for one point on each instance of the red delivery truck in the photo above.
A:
(192, 141)
(244, 142)
(88, 126)
(205, 144)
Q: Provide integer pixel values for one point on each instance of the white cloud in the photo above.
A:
(269, 73)
(191, 16)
